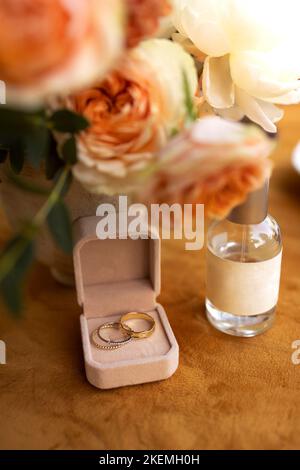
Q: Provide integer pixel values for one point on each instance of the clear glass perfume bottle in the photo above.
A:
(243, 269)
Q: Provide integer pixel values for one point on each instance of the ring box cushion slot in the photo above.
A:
(114, 277)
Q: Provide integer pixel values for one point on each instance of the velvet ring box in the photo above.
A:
(113, 277)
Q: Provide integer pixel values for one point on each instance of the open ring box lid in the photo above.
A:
(113, 277)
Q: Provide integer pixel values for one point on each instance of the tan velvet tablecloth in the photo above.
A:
(228, 393)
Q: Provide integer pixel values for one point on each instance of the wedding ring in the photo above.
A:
(99, 342)
(96, 342)
(137, 316)
(115, 325)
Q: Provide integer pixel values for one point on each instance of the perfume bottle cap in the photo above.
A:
(254, 210)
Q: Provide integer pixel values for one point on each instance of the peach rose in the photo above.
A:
(132, 115)
(215, 162)
(144, 18)
(49, 46)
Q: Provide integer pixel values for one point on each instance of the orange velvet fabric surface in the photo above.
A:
(228, 393)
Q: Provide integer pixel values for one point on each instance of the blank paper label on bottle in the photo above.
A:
(243, 288)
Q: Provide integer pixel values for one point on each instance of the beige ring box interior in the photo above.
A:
(114, 277)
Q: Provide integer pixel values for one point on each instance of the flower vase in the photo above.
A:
(19, 206)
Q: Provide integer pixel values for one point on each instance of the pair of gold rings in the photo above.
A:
(101, 342)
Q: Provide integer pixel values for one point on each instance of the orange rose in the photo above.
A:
(50, 46)
(215, 162)
(132, 115)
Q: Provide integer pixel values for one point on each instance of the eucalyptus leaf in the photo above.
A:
(60, 226)
(65, 120)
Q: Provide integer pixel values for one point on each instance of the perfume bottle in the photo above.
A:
(243, 268)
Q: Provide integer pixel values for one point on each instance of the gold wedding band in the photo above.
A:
(137, 316)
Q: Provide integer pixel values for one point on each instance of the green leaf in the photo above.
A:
(25, 134)
(188, 99)
(22, 246)
(17, 156)
(69, 151)
(67, 183)
(60, 226)
(65, 120)
(53, 161)
(12, 296)
(16, 123)
(36, 145)
(11, 285)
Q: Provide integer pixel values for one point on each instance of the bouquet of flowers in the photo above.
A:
(116, 95)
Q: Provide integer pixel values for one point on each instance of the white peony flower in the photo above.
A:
(252, 54)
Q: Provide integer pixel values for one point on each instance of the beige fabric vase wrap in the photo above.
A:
(20, 205)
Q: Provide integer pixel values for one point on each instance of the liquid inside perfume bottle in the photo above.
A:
(243, 274)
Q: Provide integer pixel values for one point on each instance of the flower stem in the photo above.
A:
(11, 256)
